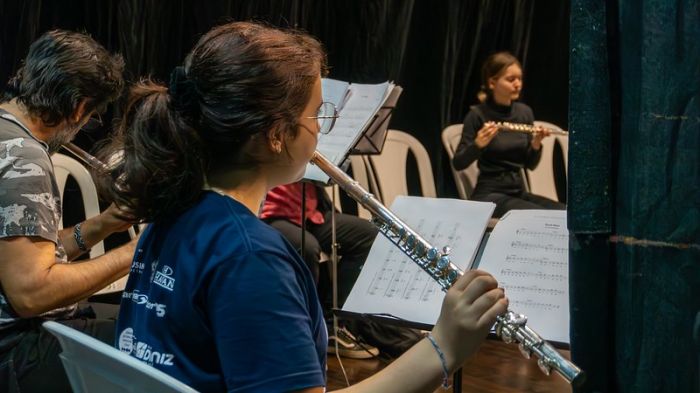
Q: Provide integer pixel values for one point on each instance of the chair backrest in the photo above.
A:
(541, 179)
(93, 366)
(64, 166)
(562, 140)
(390, 167)
(466, 178)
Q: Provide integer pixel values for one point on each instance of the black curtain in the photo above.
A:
(432, 48)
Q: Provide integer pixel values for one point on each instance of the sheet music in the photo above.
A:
(528, 253)
(358, 103)
(335, 91)
(391, 283)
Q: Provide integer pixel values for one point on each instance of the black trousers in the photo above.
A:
(507, 192)
(354, 236)
(32, 365)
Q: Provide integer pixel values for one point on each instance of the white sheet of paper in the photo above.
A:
(392, 283)
(528, 253)
(334, 91)
(361, 103)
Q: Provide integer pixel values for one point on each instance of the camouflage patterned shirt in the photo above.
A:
(30, 202)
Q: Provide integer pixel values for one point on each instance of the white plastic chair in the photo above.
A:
(464, 179)
(390, 167)
(541, 179)
(93, 366)
(64, 166)
(562, 140)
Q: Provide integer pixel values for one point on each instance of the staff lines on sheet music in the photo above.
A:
(535, 261)
(535, 289)
(538, 275)
(404, 279)
(519, 304)
(531, 246)
(541, 234)
(391, 277)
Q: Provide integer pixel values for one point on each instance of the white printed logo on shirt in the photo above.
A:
(163, 278)
(141, 350)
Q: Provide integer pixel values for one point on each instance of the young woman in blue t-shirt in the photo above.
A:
(216, 297)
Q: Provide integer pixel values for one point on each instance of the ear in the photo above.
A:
(79, 112)
(492, 83)
(275, 142)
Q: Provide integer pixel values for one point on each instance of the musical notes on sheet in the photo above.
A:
(539, 275)
(528, 253)
(392, 283)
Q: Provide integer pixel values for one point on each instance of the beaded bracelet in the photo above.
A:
(445, 374)
(79, 237)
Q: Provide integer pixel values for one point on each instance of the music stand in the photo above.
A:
(372, 140)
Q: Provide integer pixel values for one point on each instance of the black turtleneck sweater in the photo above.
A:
(507, 152)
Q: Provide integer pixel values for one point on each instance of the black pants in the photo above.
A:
(33, 365)
(525, 200)
(353, 235)
(506, 191)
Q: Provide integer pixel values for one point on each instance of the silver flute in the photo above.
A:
(526, 128)
(85, 157)
(510, 327)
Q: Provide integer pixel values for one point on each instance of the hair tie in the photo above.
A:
(183, 93)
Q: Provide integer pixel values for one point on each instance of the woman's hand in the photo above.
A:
(539, 134)
(468, 312)
(486, 134)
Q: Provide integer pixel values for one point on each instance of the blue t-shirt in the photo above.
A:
(221, 301)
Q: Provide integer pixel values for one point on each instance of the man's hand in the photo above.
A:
(114, 219)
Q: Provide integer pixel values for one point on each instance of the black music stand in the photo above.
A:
(372, 140)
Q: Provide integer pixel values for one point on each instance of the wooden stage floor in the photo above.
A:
(497, 367)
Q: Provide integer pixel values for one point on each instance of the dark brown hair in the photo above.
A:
(61, 69)
(240, 84)
(494, 65)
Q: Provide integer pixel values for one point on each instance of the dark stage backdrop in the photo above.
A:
(432, 48)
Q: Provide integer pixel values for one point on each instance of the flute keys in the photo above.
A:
(452, 276)
(410, 241)
(432, 254)
(443, 262)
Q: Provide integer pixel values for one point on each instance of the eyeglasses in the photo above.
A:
(327, 113)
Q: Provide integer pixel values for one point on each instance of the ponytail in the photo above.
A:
(483, 94)
(159, 171)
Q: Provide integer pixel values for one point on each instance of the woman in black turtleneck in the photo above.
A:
(501, 155)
